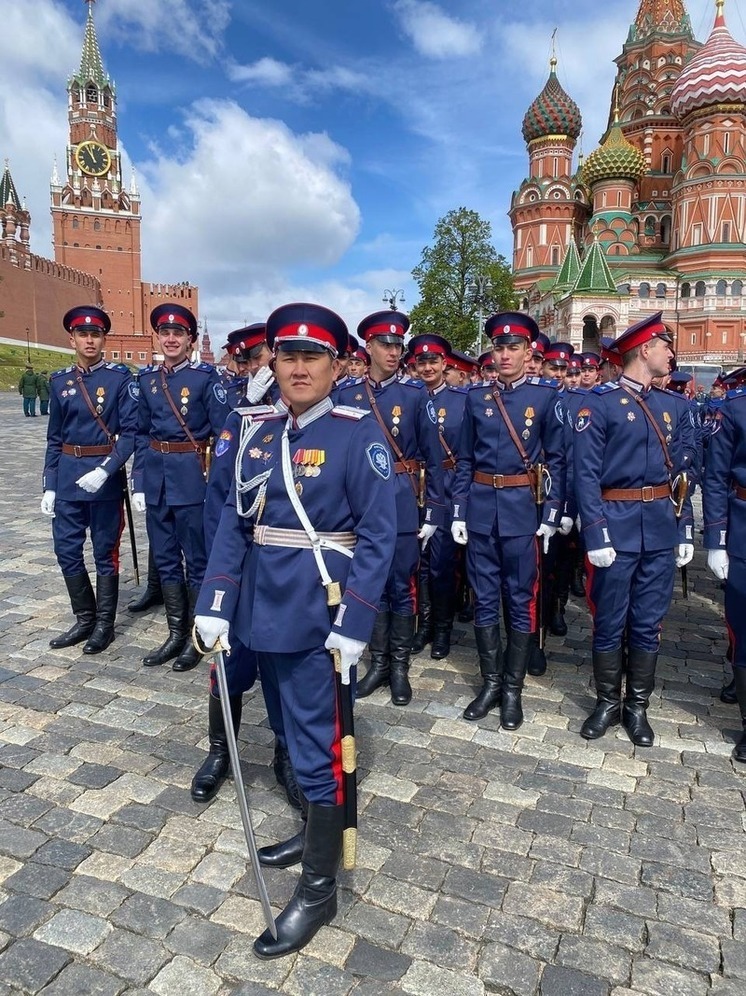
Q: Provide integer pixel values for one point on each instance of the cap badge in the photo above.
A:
(171, 317)
(425, 348)
(393, 328)
(506, 329)
(302, 330)
(88, 319)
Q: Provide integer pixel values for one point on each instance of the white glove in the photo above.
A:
(426, 534)
(565, 525)
(47, 503)
(684, 553)
(138, 501)
(717, 561)
(93, 480)
(260, 384)
(459, 533)
(350, 652)
(212, 629)
(547, 532)
(604, 557)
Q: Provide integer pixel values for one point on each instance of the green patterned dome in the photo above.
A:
(553, 112)
(616, 159)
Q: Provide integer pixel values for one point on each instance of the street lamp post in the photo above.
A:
(479, 289)
(390, 298)
(28, 345)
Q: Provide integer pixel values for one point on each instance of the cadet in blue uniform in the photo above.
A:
(442, 559)
(724, 507)
(90, 437)
(182, 404)
(409, 423)
(240, 663)
(509, 427)
(628, 453)
(314, 471)
(248, 350)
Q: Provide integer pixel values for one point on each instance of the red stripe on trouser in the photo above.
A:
(115, 551)
(337, 771)
(532, 605)
(590, 571)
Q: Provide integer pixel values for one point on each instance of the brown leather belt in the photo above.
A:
(407, 467)
(740, 492)
(502, 480)
(86, 451)
(645, 494)
(164, 446)
(449, 463)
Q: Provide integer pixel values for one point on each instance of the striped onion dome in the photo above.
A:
(716, 74)
(553, 112)
(616, 159)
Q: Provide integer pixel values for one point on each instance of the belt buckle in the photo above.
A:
(498, 481)
(165, 447)
(647, 493)
(77, 451)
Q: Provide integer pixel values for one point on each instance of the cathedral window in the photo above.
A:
(555, 255)
(666, 164)
(725, 338)
(696, 235)
(660, 289)
(97, 225)
(666, 229)
(726, 142)
(725, 236)
(694, 338)
(643, 290)
(76, 223)
(555, 166)
(686, 289)
(650, 225)
(721, 288)
(736, 288)
(700, 288)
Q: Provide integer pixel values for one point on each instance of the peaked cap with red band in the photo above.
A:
(590, 360)
(242, 340)
(87, 316)
(540, 345)
(642, 332)
(609, 353)
(460, 361)
(511, 326)
(174, 316)
(388, 326)
(559, 353)
(307, 327)
(486, 360)
(429, 344)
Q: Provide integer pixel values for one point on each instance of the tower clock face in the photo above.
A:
(93, 158)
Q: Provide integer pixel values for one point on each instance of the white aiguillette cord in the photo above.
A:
(317, 543)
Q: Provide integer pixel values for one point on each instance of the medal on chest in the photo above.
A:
(395, 419)
(308, 463)
(184, 400)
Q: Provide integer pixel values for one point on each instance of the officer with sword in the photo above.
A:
(297, 568)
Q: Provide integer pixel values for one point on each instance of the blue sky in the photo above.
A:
(288, 149)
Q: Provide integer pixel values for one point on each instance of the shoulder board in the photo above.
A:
(543, 382)
(118, 366)
(416, 385)
(452, 389)
(478, 387)
(58, 373)
(148, 370)
(736, 392)
(347, 411)
(205, 367)
(605, 388)
(255, 411)
(578, 390)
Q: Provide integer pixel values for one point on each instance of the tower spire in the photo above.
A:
(91, 63)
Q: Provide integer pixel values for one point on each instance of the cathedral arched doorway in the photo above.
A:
(591, 334)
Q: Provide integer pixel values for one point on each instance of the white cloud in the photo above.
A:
(193, 28)
(242, 198)
(299, 84)
(264, 72)
(434, 33)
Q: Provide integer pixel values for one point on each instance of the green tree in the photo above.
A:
(461, 253)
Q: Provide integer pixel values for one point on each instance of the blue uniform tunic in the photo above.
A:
(409, 416)
(174, 482)
(725, 510)
(113, 394)
(616, 447)
(502, 552)
(272, 595)
(444, 553)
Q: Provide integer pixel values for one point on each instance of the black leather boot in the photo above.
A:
(107, 596)
(379, 670)
(314, 902)
(739, 676)
(287, 852)
(424, 633)
(577, 577)
(516, 661)
(640, 685)
(216, 766)
(177, 617)
(152, 594)
(466, 612)
(728, 692)
(285, 775)
(442, 626)
(557, 624)
(400, 644)
(189, 656)
(490, 651)
(607, 675)
(83, 603)
(537, 659)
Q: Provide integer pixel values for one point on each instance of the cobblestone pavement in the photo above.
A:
(489, 862)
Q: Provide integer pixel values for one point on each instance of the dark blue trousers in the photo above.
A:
(507, 566)
(174, 532)
(400, 594)
(305, 686)
(735, 609)
(72, 519)
(241, 669)
(633, 594)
